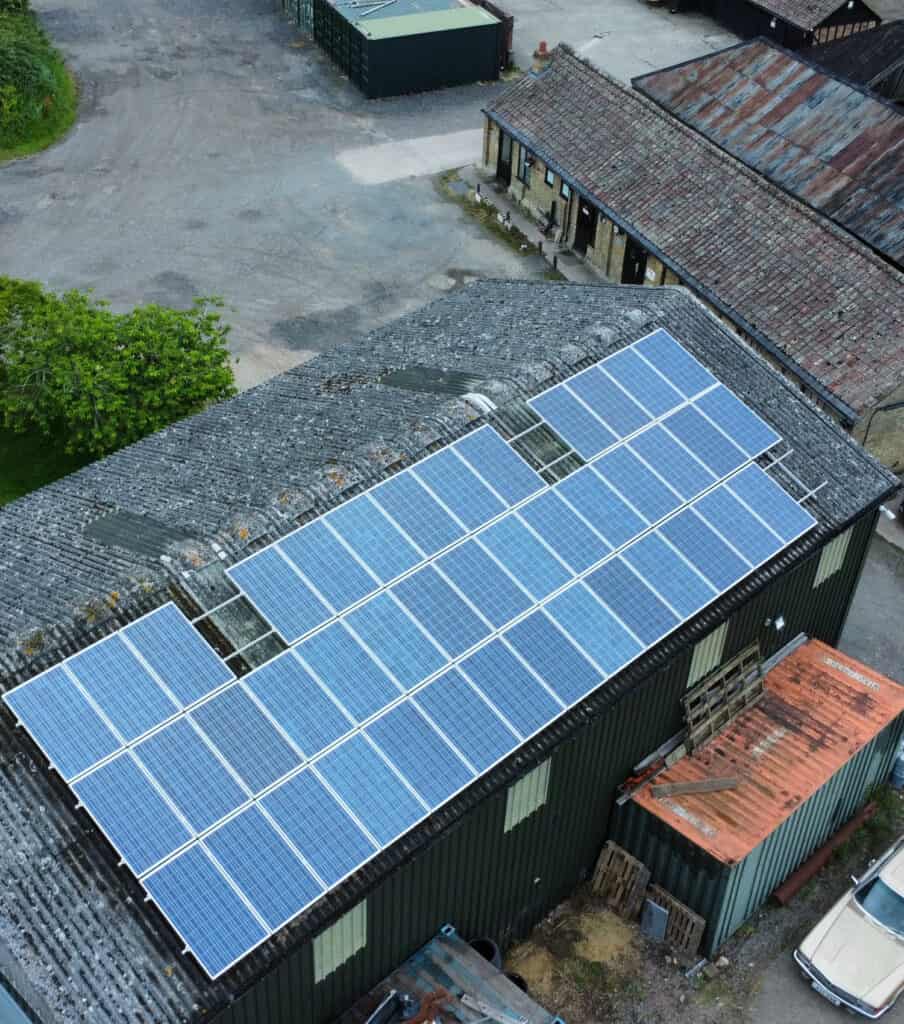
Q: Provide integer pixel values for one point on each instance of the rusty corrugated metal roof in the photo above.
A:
(819, 708)
(827, 142)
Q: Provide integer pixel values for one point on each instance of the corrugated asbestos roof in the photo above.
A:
(75, 938)
(819, 708)
(805, 14)
(864, 57)
(834, 146)
(783, 272)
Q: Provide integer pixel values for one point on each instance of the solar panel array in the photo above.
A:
(435, 623)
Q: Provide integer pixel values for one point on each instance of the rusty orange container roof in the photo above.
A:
(818, 709)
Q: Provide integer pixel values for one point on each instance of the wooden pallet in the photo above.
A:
(621, 880)
(720, 697)
(684, 930)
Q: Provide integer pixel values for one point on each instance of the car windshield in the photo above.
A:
(884, 904)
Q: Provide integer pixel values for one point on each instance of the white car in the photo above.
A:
(854, 957)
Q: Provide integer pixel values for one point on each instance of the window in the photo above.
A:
(524, 164)
(550, 178)
(707, 654)
(526, 796)
(831, 558)
(340, 941)
(565, 191)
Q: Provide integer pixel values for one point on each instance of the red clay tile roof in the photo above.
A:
(783, 273)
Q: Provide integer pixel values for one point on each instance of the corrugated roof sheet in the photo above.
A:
(783, 272)
(819, 708)
(864, 57)
(805, 14)
(836, 147)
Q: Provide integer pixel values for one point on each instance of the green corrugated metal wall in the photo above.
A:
(488, 882)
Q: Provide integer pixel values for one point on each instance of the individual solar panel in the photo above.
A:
(674, 362)
(596, 630)
(674, 463)
(642, 382)
(632, 601)
(685, 590)
(348, 671)
(466, 718)
(420, 515)
(280, 594)
(190, 773)
(525, 557)
(318, 826)
(741, 423)
(502, 468)
(510, 687)
(484, 584)
(573, 421)
(204, 908)
(613, 406)
(135, 817)
(60, 719)
(637, 484)
(375, 539)
(420, 753)
(264, 867)
(564, 531)
(700, 546)
(459, 488)
(773, 504)
(606, 512)
(376, 795)
(553, 657)
(698, 435)
(296, 701)
(440, 610)
(244, 736)
(117, 681)
(334, 573)
(388, 631)
(722, 510)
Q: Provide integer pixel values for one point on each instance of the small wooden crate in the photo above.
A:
(621, 880)
(685, 929)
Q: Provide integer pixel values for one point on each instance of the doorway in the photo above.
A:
(504, 159)
(585, 228)
(635, 266)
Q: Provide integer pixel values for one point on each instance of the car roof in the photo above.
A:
(893, 872)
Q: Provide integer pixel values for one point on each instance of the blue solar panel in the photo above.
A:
(280, 594)
(615, 408)
(246, 738)
(319, 826)
(580, 614)
(375, 540)
(205, 909)
(642, 382)
(700, 546)
(420, 753)
(190, 774)
(722, 510)
(697, 434)
(371, 789)
(601, 506)
(553, 657)
(69, 731)
(673, 361)
(525, 557)
(632, 601)
(564, 531)
(459, 488)
(440, 610)
(673, 463)
(263, 866)
(502, 468)
(421, 516)
(467, 719)
(481, 580)
(634, 482)
(396, 640)
(131, 812)
(120, 684)
(509, 685)
(664, 569)
(348, 671)
(300, 706)
(771, 503)
(741, 424)
(573, 422)
(334, 573)
(178, 653)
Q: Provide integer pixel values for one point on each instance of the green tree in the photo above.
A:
(97, 380)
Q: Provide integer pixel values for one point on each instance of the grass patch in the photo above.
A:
(485, 213)
(28, 461)
(54, 126)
